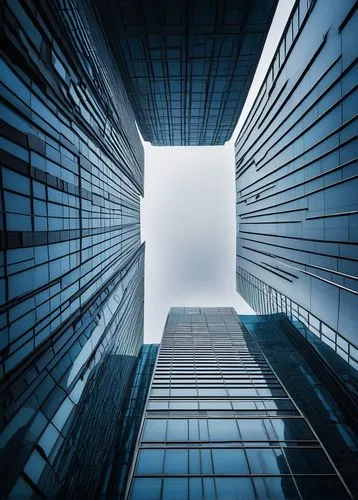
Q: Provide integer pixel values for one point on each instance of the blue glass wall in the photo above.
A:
(71, 257)
(297, 183)
(115, 479)
(312, 390)
(219, 424)
(187, 65)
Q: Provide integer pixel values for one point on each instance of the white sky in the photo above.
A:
(188, 217)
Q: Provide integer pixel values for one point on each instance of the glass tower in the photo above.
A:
(71, 285)
(297, 183)
(187, 65)
(219, 424)
(115, 477)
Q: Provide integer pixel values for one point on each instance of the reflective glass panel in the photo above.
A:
(266, 461)
(308, 461)
(194, 461)
(177, 430)
(223, 430)
(291, 429)
(234, 487)
(150, 462)
(252, 429)
(145, 488)
(276, 488)
(175, 488)
(176, 462)
(154, 430)
(321, 488)
(229, 461)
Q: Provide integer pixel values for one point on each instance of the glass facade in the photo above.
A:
(219, 423)
(187, 65)
(332, 409)
(297, 183)
(71, 284)
(115, 477)
(267, 300)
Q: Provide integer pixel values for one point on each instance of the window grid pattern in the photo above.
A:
(222, 425)
(71, 284)
(187, 65)
(115, 477)
(266, 300)
(296, 174)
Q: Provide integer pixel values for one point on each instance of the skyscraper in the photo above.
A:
(220, 424)
(321, 383)
(187, 65)
(114, 479)
(297, 183)
(72, 260)
(74, 374)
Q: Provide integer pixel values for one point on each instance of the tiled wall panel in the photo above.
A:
(296, 171)
(71, 257)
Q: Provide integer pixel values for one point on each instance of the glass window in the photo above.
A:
(22, 489)
(203, 430)
(275, 393)
(49, 438)
(206, 463)
(266, 461)
(321, 488)
(184, 392)
(212, 392)
(215, 405)
(244, 405)
(235, 487)
(145, 488)
(158, 405)
(16, 182)
(223, 430)
(295, 23)
(193, 430)
(34, 466)
(159, 392)
(252, 429)
(229, 461)
(17, 203)
(308, 461)
(194, 461)
(150, 462)
(209, 489)
(276, 488)
(279, 404)
(177, 430)
(175, 488)
(176, 462)
(183, 405)
(291, 428)
(195, 488)
(242, 392)
(154, 430)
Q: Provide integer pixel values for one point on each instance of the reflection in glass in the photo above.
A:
(145, 489)
(230, 461)
(150, 462)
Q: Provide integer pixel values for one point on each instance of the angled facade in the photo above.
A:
(187, 65)
(71, 254)
(219, 424)
(321, 383)
(297, 183)
(114, 479)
